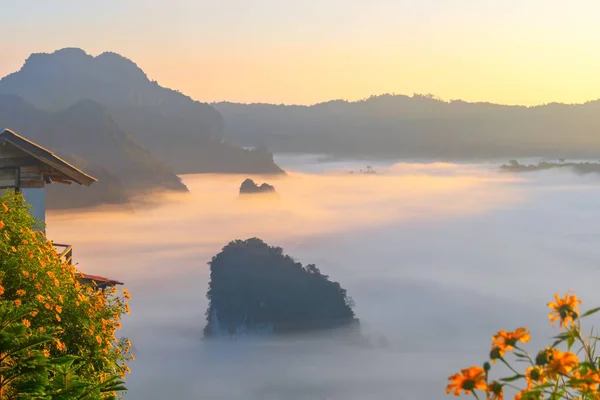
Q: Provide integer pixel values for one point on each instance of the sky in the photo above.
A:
(303, 52)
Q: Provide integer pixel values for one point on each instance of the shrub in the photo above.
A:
(69, 327)
(571, 373)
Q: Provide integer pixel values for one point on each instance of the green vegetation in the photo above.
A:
(255, 287)
(57, 336)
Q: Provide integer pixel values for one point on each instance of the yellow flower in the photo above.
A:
(495, 391)
(14, 250)
(60, 346)
(535, 376)
(561, 363)
(1, 290)
(564, 310)
(58, 317)
(26, 322)
(126, 294)
(21, 293)
(505, 341)
(17, 302)
(132, 357)
(468, 380)
(99, 339)
(587, 382)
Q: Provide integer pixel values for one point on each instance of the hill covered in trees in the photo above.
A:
(580, 167)
(184, 134)
(121, 165)
(420, 126)
(256, 288)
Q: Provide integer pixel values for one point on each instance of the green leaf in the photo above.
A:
(590, 312)
(512, 378)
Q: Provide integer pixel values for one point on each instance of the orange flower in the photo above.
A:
(1, 290)
(25, 241)
(99, 339)
(58, 309)
(48, 306)
(42, 329)
(495, 391)
(505, 341)
(40, 298)
(17, 302)
(2, 225)
(564, 310)
(521, 394)
(132, 357)
(468, 380)
(33, 313)
(58, 317)
(534, 376)
(60, 346)
(560, 362)
(5, 207)
(46, 353)
(587, 382)
(26, 322)
(25, 273)
(21, 293)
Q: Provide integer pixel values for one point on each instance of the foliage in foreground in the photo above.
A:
(57, 336)
(550, 374)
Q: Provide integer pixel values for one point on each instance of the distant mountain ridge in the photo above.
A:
(183, 133)
(418, 126)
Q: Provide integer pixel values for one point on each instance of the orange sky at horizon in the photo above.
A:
(287, 53)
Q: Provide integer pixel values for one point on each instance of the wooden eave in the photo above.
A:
(57, 169)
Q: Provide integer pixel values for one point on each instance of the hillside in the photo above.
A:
(256, 288)
(184, 134)
(418, 126)
(122, 166)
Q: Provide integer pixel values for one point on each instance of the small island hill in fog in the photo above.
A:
(255, 288)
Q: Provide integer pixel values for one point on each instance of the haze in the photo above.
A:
(304, 52)
(437, 257)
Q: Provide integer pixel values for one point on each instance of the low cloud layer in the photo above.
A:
(436, 256)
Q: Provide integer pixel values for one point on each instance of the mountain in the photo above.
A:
(122, 166)
(256, 288)
(184, 134)
(418, 126)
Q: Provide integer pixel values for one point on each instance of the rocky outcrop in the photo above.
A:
(255, 288)
(249, 187)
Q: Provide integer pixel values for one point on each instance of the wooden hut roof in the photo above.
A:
(63, 171)
(100, 280)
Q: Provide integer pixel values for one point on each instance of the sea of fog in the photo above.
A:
(437, 258)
